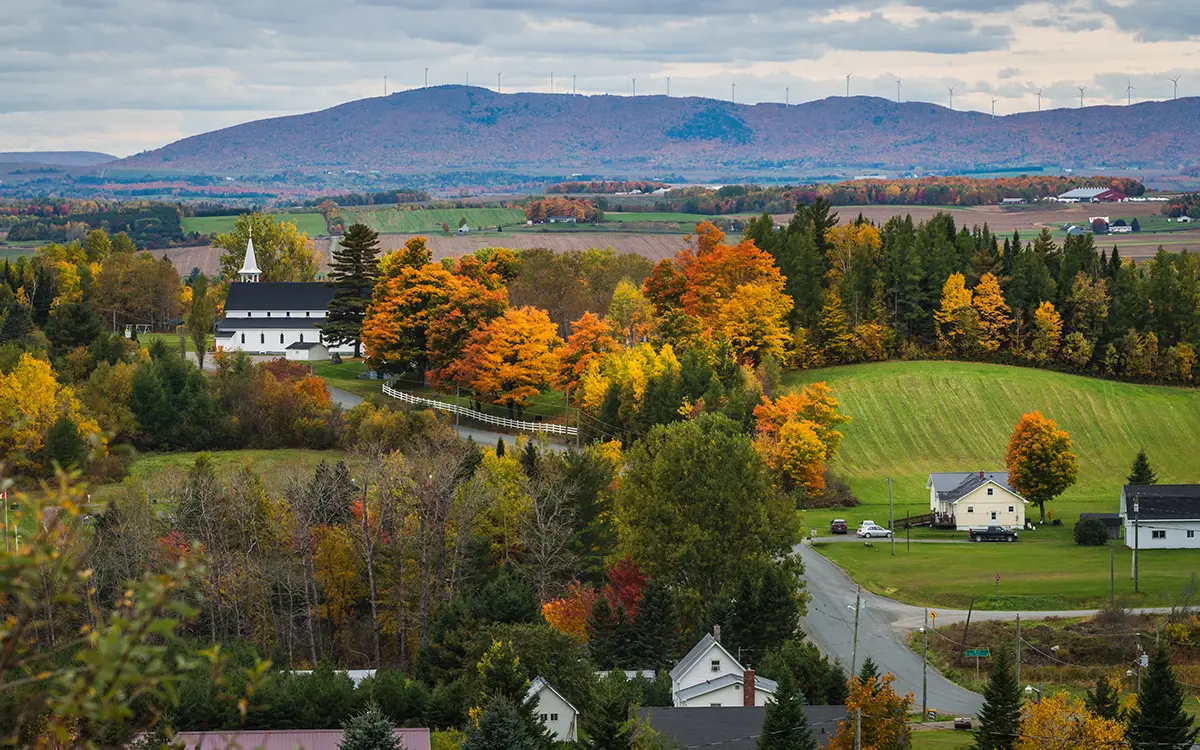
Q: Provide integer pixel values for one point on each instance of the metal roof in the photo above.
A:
(732, 728)
(1162, 502)
(312, 739)
(539, 684)
(269, 324)
(1086, 192)
(279, 295)
(725, 680)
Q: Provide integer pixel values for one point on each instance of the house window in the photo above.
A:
(544, 717)
(1011, 509)
(1191, 534)
(970, 508)
(243, 338)
(716, 665)
(1158, 534)
(553, 717)
(993, 515)
(306, 313)
(249, 314)
(991, 491)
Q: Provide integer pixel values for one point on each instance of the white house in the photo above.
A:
(555, 711)
(709, 676)
(973, 500)
(269, 317)
(1161, 516)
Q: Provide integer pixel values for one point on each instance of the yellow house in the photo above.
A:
(974, 500)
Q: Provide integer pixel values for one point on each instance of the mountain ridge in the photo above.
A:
(449, 128)
(57, 158)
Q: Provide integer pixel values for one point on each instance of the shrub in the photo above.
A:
(1090, 532)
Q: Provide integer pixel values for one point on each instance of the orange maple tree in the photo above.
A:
(470, 307)
(569, 614)
(1041, 461)
(590, 340)
(402, 308)
(511, 360)
(884, 716)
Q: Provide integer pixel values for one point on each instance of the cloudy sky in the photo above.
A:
(122, 76)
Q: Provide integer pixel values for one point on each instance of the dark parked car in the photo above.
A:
(992, 534)
(838, 526)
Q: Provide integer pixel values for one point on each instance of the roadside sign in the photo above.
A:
(979, 653)
(933, 615)
(997, 578)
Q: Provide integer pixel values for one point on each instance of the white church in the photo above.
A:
(275, 317)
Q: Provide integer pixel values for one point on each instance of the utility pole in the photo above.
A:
(1112, 578)
(854, 651)
(925, 668)
(567, 409)
(457, 407)
(891, 518)
(1018, 648)
(858, 728)
(1137, 540)
(907, 532)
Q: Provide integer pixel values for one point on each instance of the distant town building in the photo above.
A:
(463, 231)
(1012, 201)
(560, 219)
(1091, 195)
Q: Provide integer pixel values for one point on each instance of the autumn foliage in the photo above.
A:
(1060, 722)
(511, 359)
(1041, 461)
(884, 716)
(798, 435)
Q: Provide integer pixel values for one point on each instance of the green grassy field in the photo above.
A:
(912, 418)
(391, 221)
(942, 739)
(644, 216)
(171, 339)
(345, 377)
(276, 466)
(311, 224)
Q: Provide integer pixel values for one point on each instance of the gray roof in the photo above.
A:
(724, 680)
(279, 295)
(691, 657)
(1162, 502)
(305, 345)
(539, 684)
(953, 485)
(1085, 192)
(735, 728)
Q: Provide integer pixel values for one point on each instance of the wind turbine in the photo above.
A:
(733, 92)
(552, 82)
(497, 83)
(951, 89)
(1081, 90)
(848, 84)
(633, 81)
(572, 84)
(898, 90)
(1175, 81)
(427, 78)
(1129, 89)
(668, 86)
(1039, 96)
(385, 85)
(993, 108)
(787, 96)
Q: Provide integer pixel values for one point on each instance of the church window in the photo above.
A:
(281, 338)
(268, 313)
(249, 314)
(262, 338)
(306, 313)
(288, 314)
(302, 338)
(243, 338)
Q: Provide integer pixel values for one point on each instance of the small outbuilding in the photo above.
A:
(307, 351)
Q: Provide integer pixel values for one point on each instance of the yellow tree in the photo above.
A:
(512, 359)
(994, 317)
(590, 340)
(284, 253)
(816, 403)
(955, 297)
(797, 455)
(31, 401)
(1047, 332)
(629, 312)
(1060, 722)
(755, 321)
(884, 716)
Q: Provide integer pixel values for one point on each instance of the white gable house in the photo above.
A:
(709, 676)
(555, 711)
(974, 500)
(1161, 516)
(281, 318)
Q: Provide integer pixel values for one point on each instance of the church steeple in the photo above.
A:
(250, 271)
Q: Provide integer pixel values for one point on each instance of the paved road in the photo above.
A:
(884, 625)
(843, 538)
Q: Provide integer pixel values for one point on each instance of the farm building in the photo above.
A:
(1013, 202)
(1161, 516)
(560, 219)
(1091, 195)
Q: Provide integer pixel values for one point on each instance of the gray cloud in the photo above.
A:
(1155, 20)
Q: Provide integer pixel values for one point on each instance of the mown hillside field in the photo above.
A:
(392, 220)
(911, 418)
(312, 224)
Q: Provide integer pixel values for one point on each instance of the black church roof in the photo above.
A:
(279, 295)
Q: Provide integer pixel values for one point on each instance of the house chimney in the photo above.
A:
(981, 473)
(717, 633)
(748, 688)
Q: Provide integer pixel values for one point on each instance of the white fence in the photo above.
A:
(512, 424)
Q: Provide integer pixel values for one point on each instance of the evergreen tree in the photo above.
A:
(499, 447)
(869, 671)
(655, 639)
(17, 326)
(65, 445)
(352, 272)
(835, 338)
(72, 324)
(837, 688)
(502, 726)
(44, 292)
(1140, 472)
(1000, 717)
(785, 725)
(369, 730)
(1104, 700)
(529, 459)
(1158, 719)
(607, 721)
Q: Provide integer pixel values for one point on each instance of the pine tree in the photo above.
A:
(1104, 700)
(654, 627)
(529, 459)
(868, 671)
(1158, 719)
(17, 326)
(785, 725)
(499, 447)
(64, 446)
(1140, 472)
(502, 726)
(1000, 717)
(352, 273)
(43, 296)
(370, 730)
(835, 338)
(606, 722)
(837, 688)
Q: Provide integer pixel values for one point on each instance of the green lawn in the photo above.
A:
(1034, 575)
(276, 466)
(345, 377)
(311, 224)
(942, 739)
(912, 418)
(392, 221)
(172, 340)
